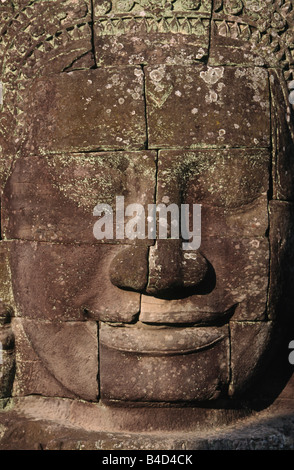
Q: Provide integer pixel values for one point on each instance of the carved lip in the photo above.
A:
(160, 340)
(174, 316)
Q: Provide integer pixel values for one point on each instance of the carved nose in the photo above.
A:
(160, 270)
(172, 269)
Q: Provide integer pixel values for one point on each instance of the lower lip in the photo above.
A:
(161, 341)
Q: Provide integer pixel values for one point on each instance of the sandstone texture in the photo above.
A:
(126, 322)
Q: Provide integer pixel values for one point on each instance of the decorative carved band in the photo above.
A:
(133, 25)
(155, 8)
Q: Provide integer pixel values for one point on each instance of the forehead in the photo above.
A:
(130, 108)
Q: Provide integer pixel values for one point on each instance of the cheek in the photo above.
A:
(48, 279)
(68, 283)
(252, 346)
(242, 273)
(281, 294)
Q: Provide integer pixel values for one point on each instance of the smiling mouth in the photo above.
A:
(171, 335)
(161, 340)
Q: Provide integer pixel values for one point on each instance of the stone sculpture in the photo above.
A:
(159, 102)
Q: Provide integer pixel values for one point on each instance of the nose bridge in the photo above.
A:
(165, 258)
(164, 265)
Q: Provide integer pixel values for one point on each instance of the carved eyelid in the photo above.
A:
(207, 199)
(247, 205)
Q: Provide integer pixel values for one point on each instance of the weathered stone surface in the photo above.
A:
(53, 198)
(197, 107)
(58, 424)
(228, 275)
(6, 299)
(155, 46)
(249, 346)
(49, 283)
(282, 135)
(172, 270)
(89, 90)
(252, 33)
(7, 355)
(161, 365)
(86, 111)
(129, 269)
(236, 283)
(7, 350)
(151, 32)
(29, 46)
(119, 419)
(32, 43)
(229, 48)
(56, 359)
(280, 303)
(231, 185)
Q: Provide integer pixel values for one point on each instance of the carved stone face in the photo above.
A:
(144, 320)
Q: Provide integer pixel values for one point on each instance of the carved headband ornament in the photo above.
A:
(39, 37)
(267, 24)
(32, 29)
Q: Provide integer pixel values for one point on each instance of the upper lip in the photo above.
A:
(193, 317)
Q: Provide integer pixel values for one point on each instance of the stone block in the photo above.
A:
(150, 33)
(197, 106)
(68, 283)
(7, 356)
(163, 365)
(230, 185)
(53, 198)
(85, 110)
(250, 343)
(56, 359)
(282, 261)
(282, 135)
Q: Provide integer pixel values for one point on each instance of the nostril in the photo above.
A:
(174, 273)
(129, 268)
(204, 280)
(194, 268)
(186, 287)
(162, 270)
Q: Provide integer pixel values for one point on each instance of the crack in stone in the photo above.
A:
(98, 360)
(142, 148)
(210, 31)
(230, 371)
(155, 201)
(145, 108)
(69, 67)
(272, 167)
(93, 34)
